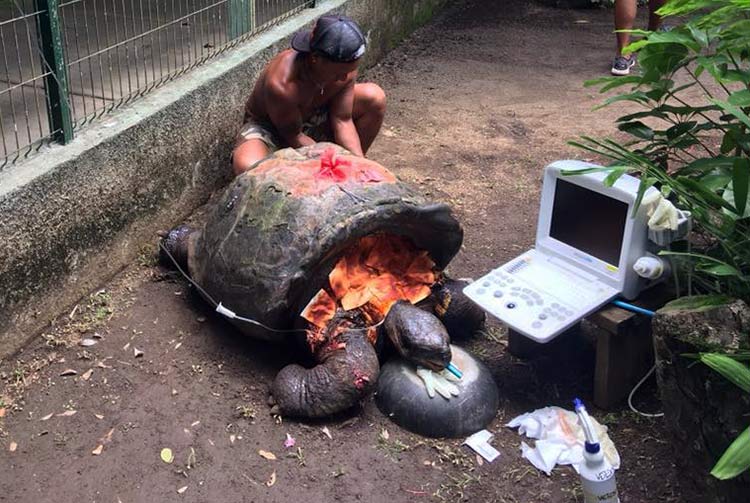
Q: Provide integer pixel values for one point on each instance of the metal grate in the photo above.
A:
(66, 63)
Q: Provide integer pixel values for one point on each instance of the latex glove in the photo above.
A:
(662, 213)
(442, 382)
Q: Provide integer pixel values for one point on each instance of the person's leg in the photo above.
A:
(654, 20)
(624, 20)
(368, 112)
(247, 153)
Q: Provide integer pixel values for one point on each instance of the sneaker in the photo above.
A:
(622, 65)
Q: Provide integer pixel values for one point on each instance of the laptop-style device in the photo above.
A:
(588, 238)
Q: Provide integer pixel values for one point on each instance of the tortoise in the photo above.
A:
(268, 251)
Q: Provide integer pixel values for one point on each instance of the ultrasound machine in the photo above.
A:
(589, 238)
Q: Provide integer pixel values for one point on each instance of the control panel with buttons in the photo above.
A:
(527, 294)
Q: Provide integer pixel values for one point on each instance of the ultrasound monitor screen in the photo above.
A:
(588, 221)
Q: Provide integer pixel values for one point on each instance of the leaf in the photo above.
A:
(719, 270)
(729, 368)
(384, 434)
(740, 180)
(12, 447)
(68, 372)
(166, 455)
(740, 98)
(271, 481)
(327, 432)
(67, 413)
(732, 110)
(98, 450)
(87, 375)
(267, 455)
(736, 459)
(182, 489)
(98, 416)
(637, 129)
(87, 342)
(613, 176)
(47, 417)
(191, 461)
(137, 353)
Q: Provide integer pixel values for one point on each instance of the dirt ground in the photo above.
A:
(479, 101)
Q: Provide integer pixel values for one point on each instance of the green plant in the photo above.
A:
(691, 140)
(736, 459)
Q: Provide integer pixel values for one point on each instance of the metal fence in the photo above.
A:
(66, 63)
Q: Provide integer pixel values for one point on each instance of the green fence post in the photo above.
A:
(241, 17)
(56, 83)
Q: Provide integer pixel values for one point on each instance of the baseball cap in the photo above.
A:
(336, 37)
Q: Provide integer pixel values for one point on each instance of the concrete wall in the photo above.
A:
(74, 216)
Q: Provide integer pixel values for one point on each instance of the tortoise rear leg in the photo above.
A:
(173, 246)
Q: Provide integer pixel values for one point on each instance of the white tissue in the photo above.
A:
(559, 438)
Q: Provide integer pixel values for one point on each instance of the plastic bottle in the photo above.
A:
(597, 474)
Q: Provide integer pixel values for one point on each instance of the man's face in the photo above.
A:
(327, 71)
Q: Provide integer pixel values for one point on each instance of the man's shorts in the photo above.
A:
(316, 127)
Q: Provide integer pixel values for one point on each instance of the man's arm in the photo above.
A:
(342, 123)
(286, 117)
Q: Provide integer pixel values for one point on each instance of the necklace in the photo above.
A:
(308, 71)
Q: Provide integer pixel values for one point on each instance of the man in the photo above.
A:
(624, 20)
(309, 93)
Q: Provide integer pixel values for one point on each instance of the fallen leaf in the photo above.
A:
(166, 455)
(97, 335)
(268, 455)
(12, 447)
(98, 416)
(195, 423)
(480, 461)
(45, 418)
(68, 372)
(191, 461)
(182, 489)
(137, 353)
(177, 346)
(327, 432)
(385, 434)
(187, 432)
(211, 442)
(98, 450)
(126, 346)
(87, 375)
(2, 412)
(174, 392)
(290, 441)
(101, 365)
(231, 439)
(87, 342)
(272, 480)
(67, 413)
(108, 437)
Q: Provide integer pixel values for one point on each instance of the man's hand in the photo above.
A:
(442, 382)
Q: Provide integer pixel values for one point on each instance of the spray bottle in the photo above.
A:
(597, 474)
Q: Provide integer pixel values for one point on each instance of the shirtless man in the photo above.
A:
(308, 93)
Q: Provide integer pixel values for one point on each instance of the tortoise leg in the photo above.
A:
(173, 247)
(461, 317)
(347, 372)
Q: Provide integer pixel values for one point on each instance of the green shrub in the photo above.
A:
(696, 153)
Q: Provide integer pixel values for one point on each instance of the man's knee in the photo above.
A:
(374, 97)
